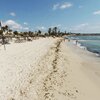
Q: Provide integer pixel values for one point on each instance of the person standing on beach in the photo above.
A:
(68, 40)
(64, 39)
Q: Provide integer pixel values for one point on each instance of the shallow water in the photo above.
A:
(91, 43)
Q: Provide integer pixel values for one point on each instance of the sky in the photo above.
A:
(70, 15)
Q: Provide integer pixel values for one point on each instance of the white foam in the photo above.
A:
(98, 55)
(79, 45)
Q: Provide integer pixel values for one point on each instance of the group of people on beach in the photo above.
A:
(76, 41)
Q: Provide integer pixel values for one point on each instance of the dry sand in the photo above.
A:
(48, 69)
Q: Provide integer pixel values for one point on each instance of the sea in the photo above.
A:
(90, 43)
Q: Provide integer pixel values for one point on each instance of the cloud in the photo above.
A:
(80, 6)
(62, 6)
(55, 6)
(41, 28)
(25, 23)
(80, 27)
(12, 24)
(13, 14)
(85, 28)
(59, 25)
(96, 12)
(15, 26)
(26, 28)
(65, 5)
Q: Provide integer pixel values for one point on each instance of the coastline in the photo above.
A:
(89, 43)
(82, 48)
(48, 68)
(88, 64)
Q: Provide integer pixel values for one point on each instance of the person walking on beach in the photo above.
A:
(76, 42)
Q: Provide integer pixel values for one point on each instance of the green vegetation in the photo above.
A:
(7, 33)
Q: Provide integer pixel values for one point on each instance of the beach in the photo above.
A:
(48, 69)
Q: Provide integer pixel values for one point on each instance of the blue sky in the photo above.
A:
(69, 15)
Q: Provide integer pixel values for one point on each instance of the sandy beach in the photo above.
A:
(48, 69)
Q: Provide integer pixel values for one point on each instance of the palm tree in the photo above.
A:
(54, 31)
(10, 30)
(4, 28)
(39, 32)
(30, 33)
(50, 31)
(1, 32)
(15, 33)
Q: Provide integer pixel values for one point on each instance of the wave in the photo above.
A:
(84, 47)
(90, 43)
(79, 45)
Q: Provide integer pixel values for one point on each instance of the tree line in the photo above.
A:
(6, 32)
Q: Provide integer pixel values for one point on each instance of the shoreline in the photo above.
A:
(89, 65)
(82, 77)
(86, 44)
(83, 48)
